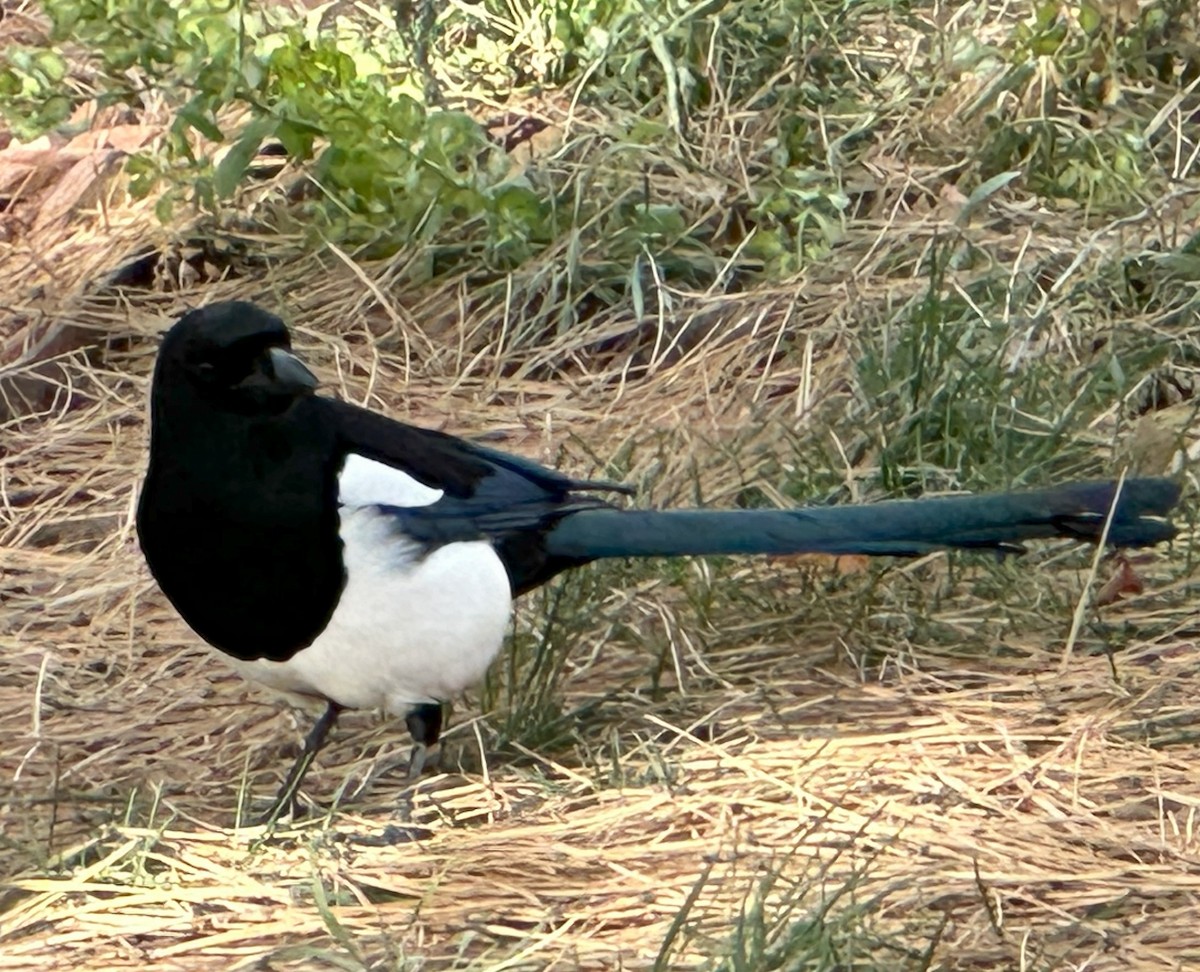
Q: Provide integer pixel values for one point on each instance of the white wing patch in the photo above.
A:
(365, 482)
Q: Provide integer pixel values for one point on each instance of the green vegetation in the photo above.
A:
(387, 172)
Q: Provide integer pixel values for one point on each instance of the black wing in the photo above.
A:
(488, 494)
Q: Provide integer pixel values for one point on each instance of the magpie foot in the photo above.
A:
(284, 804)
(416, 761)
(425, 726)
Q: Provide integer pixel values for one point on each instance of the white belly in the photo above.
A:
(407, 630)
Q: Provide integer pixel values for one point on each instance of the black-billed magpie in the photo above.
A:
(336, 553)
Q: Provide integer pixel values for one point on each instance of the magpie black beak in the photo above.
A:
(288, 373)
(278, 376)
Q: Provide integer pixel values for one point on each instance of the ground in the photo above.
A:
(802, 763)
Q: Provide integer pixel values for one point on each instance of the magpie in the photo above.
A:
(335, 553)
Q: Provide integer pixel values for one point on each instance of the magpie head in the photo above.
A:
(235, 356)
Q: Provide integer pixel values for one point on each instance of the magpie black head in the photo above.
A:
(235, 356)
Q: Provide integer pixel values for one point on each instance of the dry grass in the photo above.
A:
(687, 762)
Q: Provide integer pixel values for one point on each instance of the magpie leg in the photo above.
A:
(285, 800)
(425, 726)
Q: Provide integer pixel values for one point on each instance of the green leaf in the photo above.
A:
(1046, 15)
(647, 131)
(519, 206)
(237, 160)
(660, 220)
(143, 174)
(1048, 43)
(51, 66)
(766, 245)
(196, 114)
(297, 137)
(1089, 18)
(984, 191)
(164, 208)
